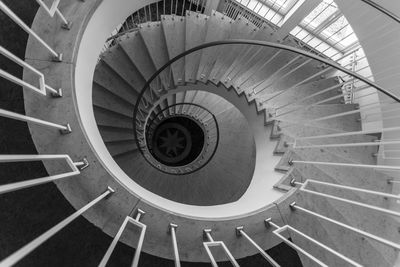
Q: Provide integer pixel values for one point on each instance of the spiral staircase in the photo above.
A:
(197, 136)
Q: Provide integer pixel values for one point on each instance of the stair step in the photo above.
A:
(218, 28)
(241, 29)
(109, 79)
(109, 118)
(196, 27)
(118, 149)
(345, 123)
(248, 55)
(289, 96)
(174, 33)
(134, 46)
(112, 134)
(274, 61)
(118, 60)
(153, 36)
(332, 235)
(104, 98)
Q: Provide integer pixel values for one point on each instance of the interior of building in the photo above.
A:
(200, 132)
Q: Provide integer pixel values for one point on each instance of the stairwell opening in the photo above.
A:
(177, 141)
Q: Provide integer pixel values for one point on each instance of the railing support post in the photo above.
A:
(113, 244)
(172, 231)
(212, 243)
(25, 250)
(240, 232)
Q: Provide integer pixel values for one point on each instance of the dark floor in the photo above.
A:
(27, 213)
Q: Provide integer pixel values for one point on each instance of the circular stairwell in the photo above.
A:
(253, 105)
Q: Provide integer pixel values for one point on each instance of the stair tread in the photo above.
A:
(243, 60)
(102, 97)
(332, 235)
(109, 79)
(119, 61)
(218, 28)
(153, 36)
(299, 92)
(241, 29)
(108, 118)
(195, 36)
(111, 134)
(119, 148)
(174, 28)
(134, 46)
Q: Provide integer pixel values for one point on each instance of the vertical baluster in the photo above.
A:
(25, 250)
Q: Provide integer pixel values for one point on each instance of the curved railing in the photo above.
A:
(77, 167)
(161, 81)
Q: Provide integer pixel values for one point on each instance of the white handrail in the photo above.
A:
(294, 206)
(12, 115)
(172, 230)
(27, 29)
(135, 221)
(352, 202)
(38, 181)
(212, 243)
(53, 9)
(42, 85)
(28, 248)
(340, 164)
(350, 133)
(241, 232)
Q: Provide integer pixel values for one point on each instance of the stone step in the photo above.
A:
(196, 28)
(112, 81)
(241, 29)
(135, 48)
(174, 33)
(153, 37)
(120, 63)
(219, 27)
(106, 99)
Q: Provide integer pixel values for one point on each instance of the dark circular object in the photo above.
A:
(177, 141)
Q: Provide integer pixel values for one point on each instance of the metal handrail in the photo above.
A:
(382, 9)
(264, 44)
(74, 166)
(26, 28)
(53, 9)
(42, 84)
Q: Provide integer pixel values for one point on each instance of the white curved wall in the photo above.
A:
(109, 14)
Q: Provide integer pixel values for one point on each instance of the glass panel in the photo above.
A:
(282, 6)
(319, 14)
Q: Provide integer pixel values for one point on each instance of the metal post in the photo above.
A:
(350, 133)
(212, 243)
(294, 246)
(12, 115)
(350, 144)
(38, 181)
(28, 248)
(365, 166)
(240, 232)
(172, 231)
(42, 85)
(288, 227)
(111, 248)
(294, 206)
(356, 203)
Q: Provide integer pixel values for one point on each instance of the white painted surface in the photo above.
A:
(260, 192)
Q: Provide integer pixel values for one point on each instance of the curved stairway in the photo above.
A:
(292, 92)
(298, 106)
